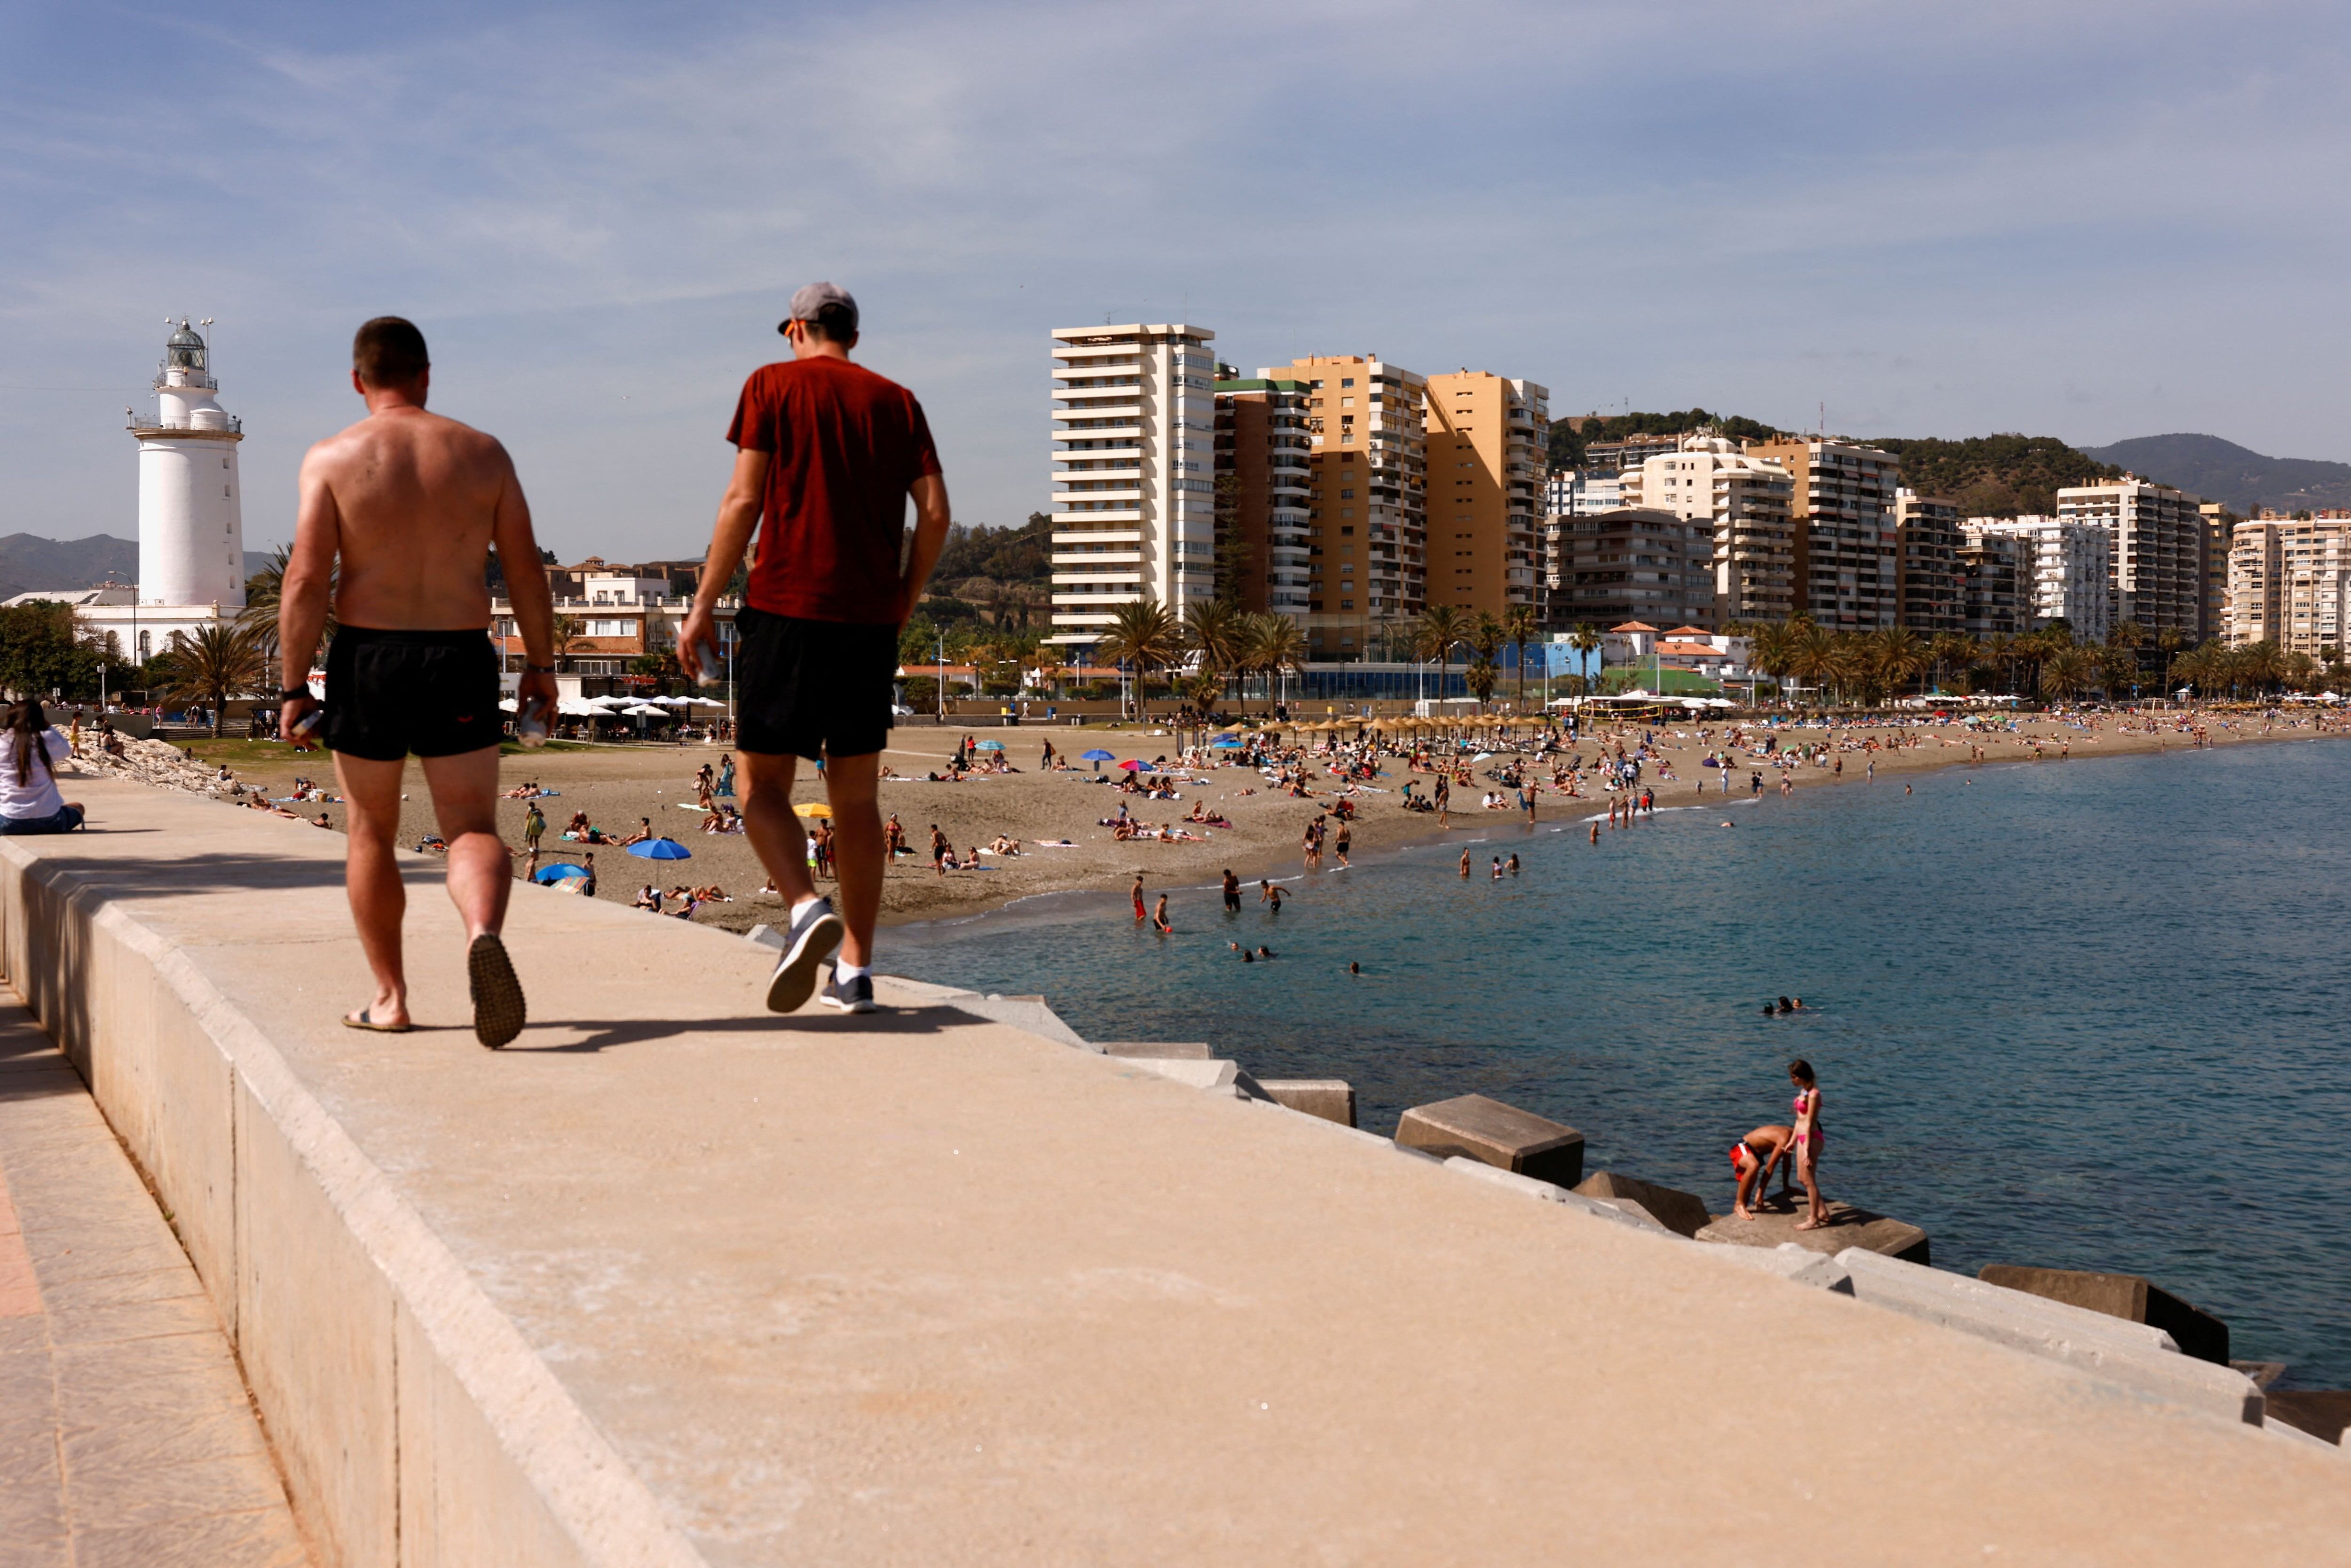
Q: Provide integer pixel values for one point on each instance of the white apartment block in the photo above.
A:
(2062, 572)
(2287, 584)
(1746, 499)
(2156, 536)
(1134, 503)
(1848, 566)
(1581, 493)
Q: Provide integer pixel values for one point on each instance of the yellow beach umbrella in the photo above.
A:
(813, 809)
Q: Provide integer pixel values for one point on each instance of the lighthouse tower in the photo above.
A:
(191, 506)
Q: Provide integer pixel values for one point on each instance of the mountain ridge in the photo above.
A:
(30, 563)
(2237, 477)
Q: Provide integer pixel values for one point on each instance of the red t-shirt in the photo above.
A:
(847, 445)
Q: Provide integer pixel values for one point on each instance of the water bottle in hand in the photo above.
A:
(531, 723)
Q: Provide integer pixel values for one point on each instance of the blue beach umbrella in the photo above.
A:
(563, 872)
(1224, 743)
(989, 746)
(1098, 756)
(660, 850)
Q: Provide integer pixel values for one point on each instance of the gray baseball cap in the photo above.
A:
(811, 297)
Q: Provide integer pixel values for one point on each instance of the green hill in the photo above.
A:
(1995, 476)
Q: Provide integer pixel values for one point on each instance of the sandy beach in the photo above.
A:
(618, 785)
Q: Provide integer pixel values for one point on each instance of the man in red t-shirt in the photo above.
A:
(826, 453)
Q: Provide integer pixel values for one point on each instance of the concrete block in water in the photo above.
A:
(2321, 1412)
(1333, 1099)
(2126, 1296)
(1682, 1213)
(1630, 1214)
(1797, 1265)
(1222, 1075)
(1847, 1227)
(1497, 1134)
(2129, 1353)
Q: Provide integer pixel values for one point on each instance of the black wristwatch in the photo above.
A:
(293, 693)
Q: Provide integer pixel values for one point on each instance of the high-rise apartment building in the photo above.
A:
(1746, 501)
(1926, 542)
(1133, 502)
(1987, 585)
(1581, 493)
(2287, 585)
(1632, 564)
(1485, 439)
(1366, 528)
(2156, 537)
(2062, 572)
(1264, 484)
(2218, 521)
(1843, 507)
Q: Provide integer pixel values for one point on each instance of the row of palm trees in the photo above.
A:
(1866, 667)
(1229, 642)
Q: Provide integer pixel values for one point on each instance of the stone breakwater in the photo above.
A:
(157, 763)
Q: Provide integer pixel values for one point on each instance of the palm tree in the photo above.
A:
(1901, 653)
(1950, 651)
(1142, 634)
(210, 666)
(2066, 671)
(2168, 643)
(1520, 623)
(1811, 653)
(1773, 649)
(1432, 635)
(1486, 636)
(264, 595)
(1275, 646)
(1585, 640)
(563, 632)
(1218, 628)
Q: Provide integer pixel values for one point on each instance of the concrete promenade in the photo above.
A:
(126, 1436)
(673, 1282)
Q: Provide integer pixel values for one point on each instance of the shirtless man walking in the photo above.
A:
(409, 504)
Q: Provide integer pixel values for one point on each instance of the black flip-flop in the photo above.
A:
(366, 1020)
(499, 1010)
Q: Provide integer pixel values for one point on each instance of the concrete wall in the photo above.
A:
(415, 1427)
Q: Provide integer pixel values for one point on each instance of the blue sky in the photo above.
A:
(2088, 220)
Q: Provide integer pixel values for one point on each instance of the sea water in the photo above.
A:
(2085, 1014)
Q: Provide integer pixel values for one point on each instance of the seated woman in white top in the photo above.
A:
(29, 753)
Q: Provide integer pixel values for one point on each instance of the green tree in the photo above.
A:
(1522, 626)
(1144, 635)
(42, 651)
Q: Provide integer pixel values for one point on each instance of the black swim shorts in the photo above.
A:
(393, 692)
(811, 687)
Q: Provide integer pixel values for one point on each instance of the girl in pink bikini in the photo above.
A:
(1808, 1134)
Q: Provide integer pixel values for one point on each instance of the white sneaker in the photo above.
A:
(815, 931)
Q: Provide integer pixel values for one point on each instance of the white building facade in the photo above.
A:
(1581, 493)
(1134, 503)
(2062, 572)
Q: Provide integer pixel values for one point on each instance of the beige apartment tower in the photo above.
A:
(1927, 543)
(1487, 437)
(1366, 527)
(2287, 585)
(1134, 503)
(1846, 554)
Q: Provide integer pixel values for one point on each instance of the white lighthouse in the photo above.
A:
(190, 515)
(191, 507)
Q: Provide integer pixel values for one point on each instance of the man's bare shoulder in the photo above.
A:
(407, 430)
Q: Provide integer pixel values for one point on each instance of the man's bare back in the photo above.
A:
(411, 502)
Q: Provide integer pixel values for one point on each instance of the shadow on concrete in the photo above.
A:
(604, 1033)
(206, 872)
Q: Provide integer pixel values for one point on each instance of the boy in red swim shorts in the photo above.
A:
(1752, 1161)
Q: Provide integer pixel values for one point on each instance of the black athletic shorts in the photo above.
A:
(392, 693)
(811, 687)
